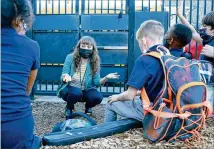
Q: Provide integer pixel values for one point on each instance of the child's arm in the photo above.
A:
(184, 21)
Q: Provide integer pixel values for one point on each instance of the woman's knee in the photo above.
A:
(74, 96)
(93, 96)
(75, 93)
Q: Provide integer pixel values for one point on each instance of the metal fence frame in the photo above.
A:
(122, 7)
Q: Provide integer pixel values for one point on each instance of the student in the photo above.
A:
(81, 75)
(176, 38)
(147, 72)
(19, 65)
(205, 36)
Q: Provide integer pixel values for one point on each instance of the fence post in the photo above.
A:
(212, 6)
(131, 35)
(29, 34)
(77, 6)
(83, 7)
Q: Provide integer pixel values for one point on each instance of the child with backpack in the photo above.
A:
(173, 97)
(147, 72)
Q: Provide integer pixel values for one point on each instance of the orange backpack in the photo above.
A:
(180, 109)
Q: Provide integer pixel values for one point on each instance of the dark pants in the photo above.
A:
(19, 134)
(73, 95)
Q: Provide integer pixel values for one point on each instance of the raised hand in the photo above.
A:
(113, 76)
(179, 8)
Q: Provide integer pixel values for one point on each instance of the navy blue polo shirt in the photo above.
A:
(148, 73)
(176, 52)
(19, 55)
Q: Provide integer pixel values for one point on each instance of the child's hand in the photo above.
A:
(178, 9)
(112, 99)
(113, 76)
(208, 51)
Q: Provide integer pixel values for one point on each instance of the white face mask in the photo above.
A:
(23, 29)
(145, 51)
(22, 32)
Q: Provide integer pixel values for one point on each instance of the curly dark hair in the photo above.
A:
(12, 9)
(94, 58)
(181, 33)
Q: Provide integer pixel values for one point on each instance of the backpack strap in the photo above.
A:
(154, 54)
(147, 108)
(145, 100)
(144, 96)
(205, 103)
(81, 114)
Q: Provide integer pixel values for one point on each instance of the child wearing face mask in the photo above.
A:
(81, 77)
(20, 61)
(205, 36)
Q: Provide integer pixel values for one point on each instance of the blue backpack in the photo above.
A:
(180, 109)
(79, 120)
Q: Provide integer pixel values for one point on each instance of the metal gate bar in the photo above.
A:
(57, 9)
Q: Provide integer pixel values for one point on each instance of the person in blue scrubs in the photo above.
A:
(19, 64)
(176, 38)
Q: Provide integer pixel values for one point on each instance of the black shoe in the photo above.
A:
(68, 113)
(88, 111)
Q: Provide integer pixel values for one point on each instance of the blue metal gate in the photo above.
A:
(113, 23)
(58, 29)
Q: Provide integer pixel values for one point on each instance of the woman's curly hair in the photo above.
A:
(94, 58)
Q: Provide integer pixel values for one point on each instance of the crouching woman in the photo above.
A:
(81, 77)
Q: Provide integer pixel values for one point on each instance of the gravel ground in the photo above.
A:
(47, 114)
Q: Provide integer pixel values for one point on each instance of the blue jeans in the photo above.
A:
(19, 134)
(129, 109)
(73, 95)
